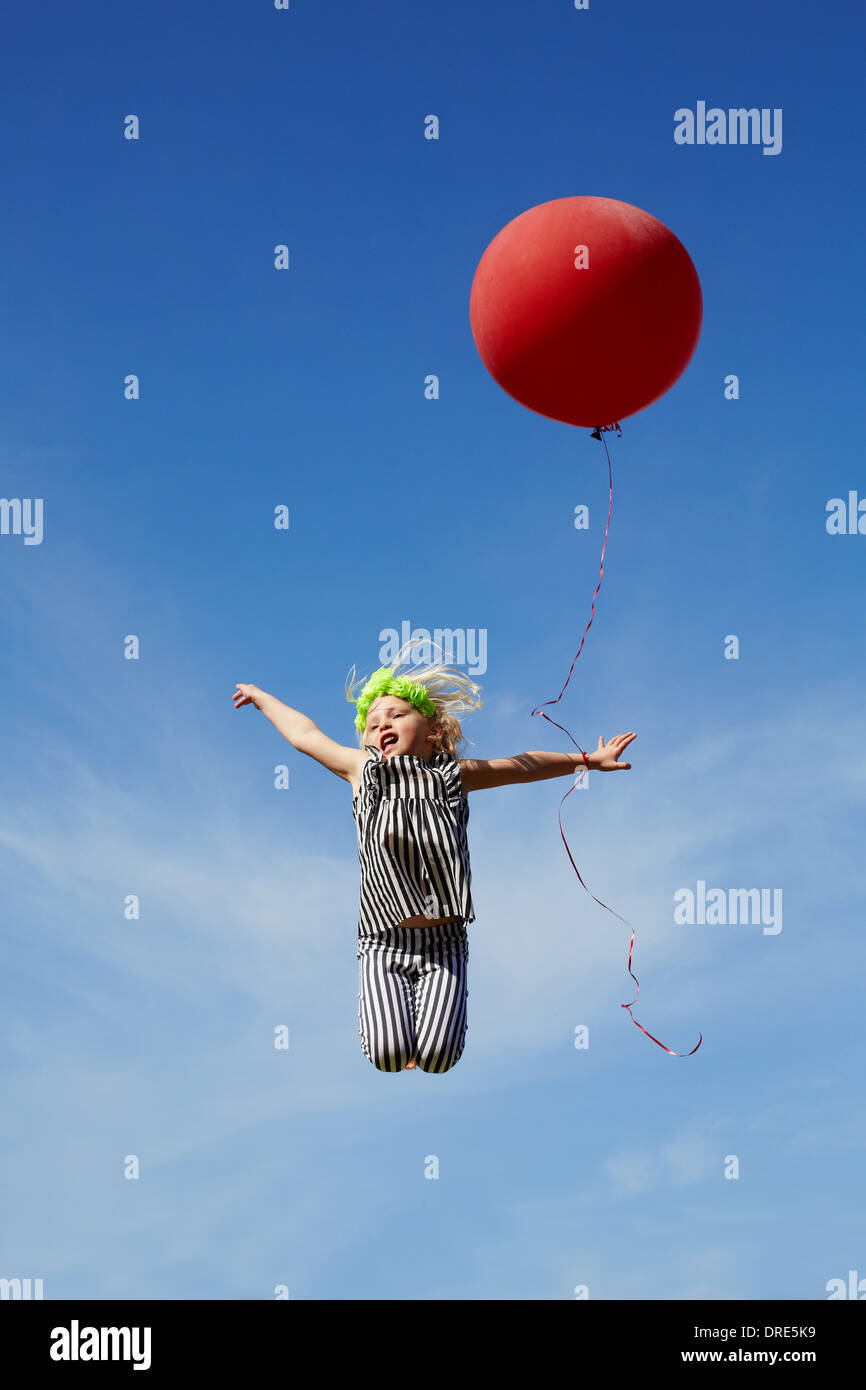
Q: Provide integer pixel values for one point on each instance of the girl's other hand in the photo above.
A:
(246, 695)
(605, 756)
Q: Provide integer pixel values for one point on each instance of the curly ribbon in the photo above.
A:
(597, 434)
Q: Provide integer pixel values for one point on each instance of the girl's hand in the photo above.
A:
(247, 695)
(604, 759)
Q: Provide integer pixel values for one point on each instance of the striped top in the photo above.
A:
(411, 817)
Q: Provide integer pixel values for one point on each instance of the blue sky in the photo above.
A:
(558, 1167)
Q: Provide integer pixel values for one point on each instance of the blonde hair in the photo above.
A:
(451, 691)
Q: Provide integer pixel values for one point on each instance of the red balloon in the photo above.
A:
(586, 346)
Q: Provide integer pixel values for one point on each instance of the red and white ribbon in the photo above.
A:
(598, 434)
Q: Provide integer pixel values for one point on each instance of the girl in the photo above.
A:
(409, 801)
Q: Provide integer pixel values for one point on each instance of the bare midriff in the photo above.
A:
(422, 921)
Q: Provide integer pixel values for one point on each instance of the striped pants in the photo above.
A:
(412, 1000)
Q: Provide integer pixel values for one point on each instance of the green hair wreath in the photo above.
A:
(384, 682)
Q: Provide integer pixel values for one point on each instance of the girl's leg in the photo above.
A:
(440, 996)
(386, 1012)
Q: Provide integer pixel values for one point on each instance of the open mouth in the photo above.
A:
(388, 740)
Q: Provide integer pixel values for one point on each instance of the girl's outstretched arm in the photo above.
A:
(533, 767)
(302, 732)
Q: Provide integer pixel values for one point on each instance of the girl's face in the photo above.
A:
(396, 726)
